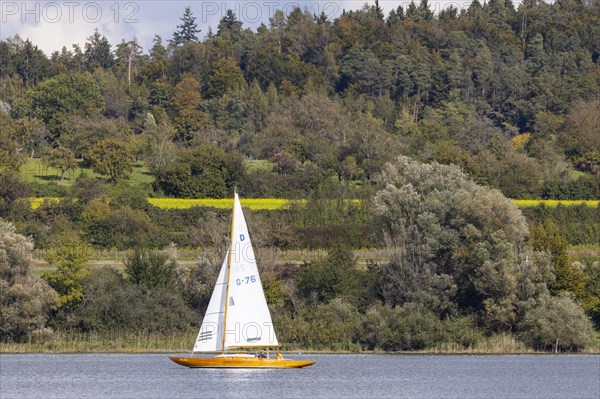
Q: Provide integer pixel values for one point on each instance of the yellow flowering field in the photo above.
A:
(252, 203)
(280, 203)
(553, 203)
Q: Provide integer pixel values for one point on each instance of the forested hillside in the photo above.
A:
(405, 131)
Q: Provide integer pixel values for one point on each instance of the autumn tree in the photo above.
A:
(112, 158)
(186, 100)
(314, 128)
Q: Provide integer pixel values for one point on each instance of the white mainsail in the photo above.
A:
(238, 303)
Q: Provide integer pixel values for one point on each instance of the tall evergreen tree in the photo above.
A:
(186, 32)
(229, 23)
(97, 52)
(31, 63)
(378, 11)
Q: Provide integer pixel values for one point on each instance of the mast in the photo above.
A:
(229, 255)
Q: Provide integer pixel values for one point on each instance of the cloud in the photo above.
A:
(51, 25)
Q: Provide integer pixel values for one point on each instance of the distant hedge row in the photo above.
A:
(579, 224)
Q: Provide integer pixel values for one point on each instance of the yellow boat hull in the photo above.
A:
(240, 362)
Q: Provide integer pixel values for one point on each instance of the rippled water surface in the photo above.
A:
(333, 376)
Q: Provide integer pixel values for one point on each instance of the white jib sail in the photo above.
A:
(248, 321)
(209, 337)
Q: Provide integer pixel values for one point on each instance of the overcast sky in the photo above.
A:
(53, 24)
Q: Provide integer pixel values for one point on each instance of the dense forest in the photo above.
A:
(406, 132)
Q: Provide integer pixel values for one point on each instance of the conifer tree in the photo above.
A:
(97, 52)
(186, 32)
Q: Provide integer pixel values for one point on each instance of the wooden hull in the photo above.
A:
(240, 362)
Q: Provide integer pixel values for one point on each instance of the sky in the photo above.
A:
(53, 24)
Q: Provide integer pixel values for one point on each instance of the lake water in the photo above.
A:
(333, 376)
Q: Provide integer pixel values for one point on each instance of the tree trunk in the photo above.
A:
(129, 68)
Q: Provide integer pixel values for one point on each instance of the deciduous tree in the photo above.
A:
(59, 97)
(25, 300)
(557, 323)
(112, 158)
(444, 224)
(61, 158)
(69, 258)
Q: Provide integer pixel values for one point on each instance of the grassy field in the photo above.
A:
(34, 171)
(256, 165)
(188, 257)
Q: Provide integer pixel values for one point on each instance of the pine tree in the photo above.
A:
(229, 23)
(97, 52)
(378, 11)
(186, 32)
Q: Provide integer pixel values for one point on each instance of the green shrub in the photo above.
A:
(557, 323)
(111, 304)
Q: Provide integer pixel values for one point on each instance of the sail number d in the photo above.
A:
(245, 280)
(242, 237)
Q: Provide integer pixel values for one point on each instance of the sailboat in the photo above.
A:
(237, 317)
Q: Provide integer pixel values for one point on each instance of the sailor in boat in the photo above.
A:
(279, 356)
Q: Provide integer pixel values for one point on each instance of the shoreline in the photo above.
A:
(466, 352)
